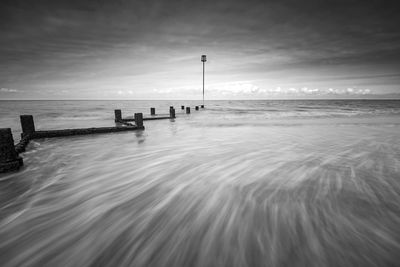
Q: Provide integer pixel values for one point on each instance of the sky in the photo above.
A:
(126, 49)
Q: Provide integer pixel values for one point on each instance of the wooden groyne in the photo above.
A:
(20, 147)
(153, 116)
(81, 131)
(9, 159)
(29, 132)
(9, 153)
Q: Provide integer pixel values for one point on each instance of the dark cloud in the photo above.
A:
(58, 41)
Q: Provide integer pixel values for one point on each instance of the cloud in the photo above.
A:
(305, 91)
(96, 44)
(249, 89)
(231, 87)
(125, 92)
(8, 90)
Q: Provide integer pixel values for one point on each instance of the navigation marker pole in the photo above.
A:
(203, 59)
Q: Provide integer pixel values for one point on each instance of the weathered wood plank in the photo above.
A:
(82, 131)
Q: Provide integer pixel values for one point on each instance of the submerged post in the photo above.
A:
(187, 110)
(172, 113)
(27, 125)
(152, 111)
(197, 107)
(118, 115)
(182, 107)
(9, 159)
(139, 119)
(202, 106)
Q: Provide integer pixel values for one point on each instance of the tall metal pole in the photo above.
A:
(203, 59)
(203, 81)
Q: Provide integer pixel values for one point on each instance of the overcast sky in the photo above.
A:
(151, 49)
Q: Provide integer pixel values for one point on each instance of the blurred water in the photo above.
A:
(241, 183)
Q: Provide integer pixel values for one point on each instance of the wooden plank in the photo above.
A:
(147, 118)
(81, 131)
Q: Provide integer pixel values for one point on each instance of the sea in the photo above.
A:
(238, 183)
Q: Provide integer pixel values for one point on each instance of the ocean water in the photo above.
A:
(240, 183)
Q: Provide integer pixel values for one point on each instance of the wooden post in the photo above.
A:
(9, 159)
(172, 113)
(171, 107)
(197, 107)
(118, 115)
(202, 106)
(152, 111)
(139, 119)
(27, 125)
(187, 110)
(182, 107)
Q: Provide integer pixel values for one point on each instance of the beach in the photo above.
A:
(240, 183)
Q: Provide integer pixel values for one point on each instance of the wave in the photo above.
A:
(285, 196)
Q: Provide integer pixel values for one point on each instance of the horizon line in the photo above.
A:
(272, 99)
